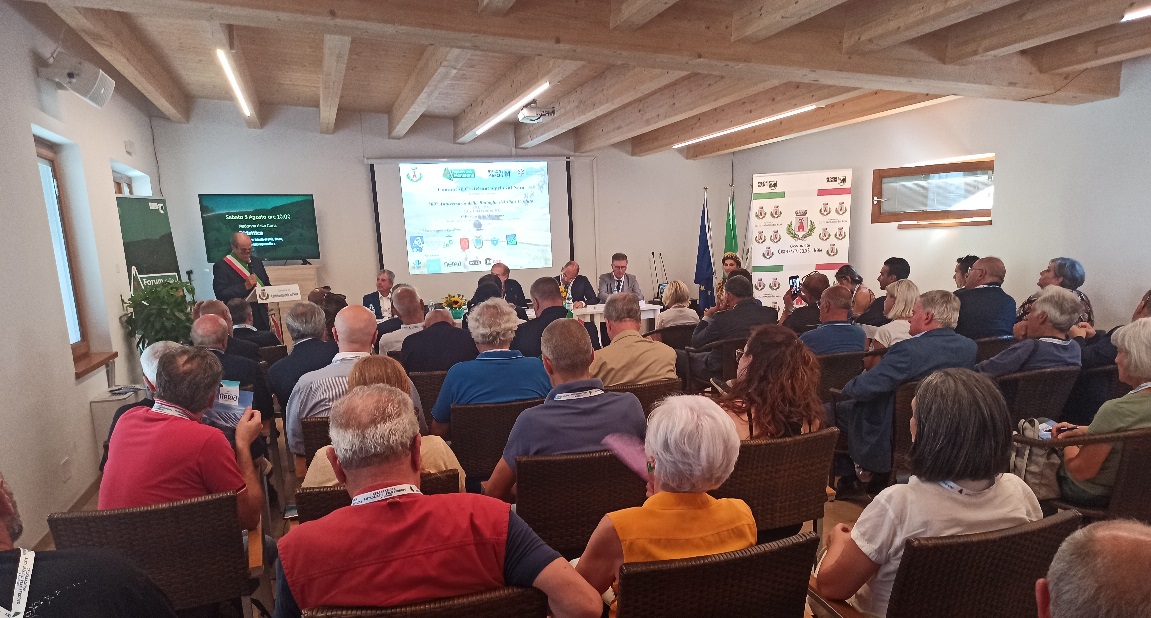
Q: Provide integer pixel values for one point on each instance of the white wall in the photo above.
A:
(1069, 181)
(45, 417)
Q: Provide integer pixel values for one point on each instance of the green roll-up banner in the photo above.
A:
(149, 253)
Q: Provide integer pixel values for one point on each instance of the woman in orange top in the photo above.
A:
(691, 448)
(776, 389)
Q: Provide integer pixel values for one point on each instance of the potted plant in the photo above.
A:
(457, 304)
(159, 311)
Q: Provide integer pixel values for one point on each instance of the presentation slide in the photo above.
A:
(466, 216)
(282, 227)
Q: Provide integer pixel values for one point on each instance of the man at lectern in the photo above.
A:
(236, 275)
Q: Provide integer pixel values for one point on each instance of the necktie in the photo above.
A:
(618, 285)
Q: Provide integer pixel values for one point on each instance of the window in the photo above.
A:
(121, 183)
(58, 225)
(934, 195)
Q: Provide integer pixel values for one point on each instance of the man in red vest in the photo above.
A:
(394, 545)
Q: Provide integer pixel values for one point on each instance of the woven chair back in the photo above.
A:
(446, 482)
(996, 571)
(836, 370)
(501, 603)
(271, 354)
(651, 393)
(480, 432)
(728, 348)
(315, 436)
(1109, 374)
(901, 427)
(986, 348)
(428, 385)
(1038, 394)
(784, 481)
(396, 354)
(192, 549)
(564, 497)
(315, 502)
(765, 581)
(676, 337)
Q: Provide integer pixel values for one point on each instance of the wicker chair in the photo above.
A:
(901, 429)
(428, 385)
(784, 481)
(677, 337)
(199, 537)
(564, 497)
(990, 346)
(1038, 393)
(315, 502)
(763, 581)
(271, 354)
(480, 432)
(651, 393)
(501, 603)
(1131, 496)
(727, 348)
(836, 370)
(1094, 387)
(396, 355)
(990, 574)
(315, 436)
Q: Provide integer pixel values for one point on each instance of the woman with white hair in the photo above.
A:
(1047, 343)
(898, 307)
(1068, 274)
(691, 448)
(1087, 475)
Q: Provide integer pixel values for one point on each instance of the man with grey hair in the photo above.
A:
(240, 347)
(306, 324)
(439, 345)
(149, 358)
(238, 273)
(497, 375)
(985, 310)
(211, 332)
(406, 303)
(549, 307)
(1046, 344)
(380, 301)
(864, 414)
(394, 545)
(577, 414)
(743, 312)
(630, 358)
(1100, 571)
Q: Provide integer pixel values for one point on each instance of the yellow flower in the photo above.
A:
(455, 301)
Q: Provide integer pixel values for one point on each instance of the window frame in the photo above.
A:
(122, 184)
(938, 217)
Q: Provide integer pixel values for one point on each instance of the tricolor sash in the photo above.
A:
(240, 267)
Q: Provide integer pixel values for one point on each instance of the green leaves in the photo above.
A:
(159, 312)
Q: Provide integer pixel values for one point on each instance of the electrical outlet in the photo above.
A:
(66, 470)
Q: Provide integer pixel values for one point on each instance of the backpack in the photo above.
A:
(1036, 465)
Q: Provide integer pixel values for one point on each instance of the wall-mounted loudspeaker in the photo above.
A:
(92, 84)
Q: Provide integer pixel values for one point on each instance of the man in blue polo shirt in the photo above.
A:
(835, 332)
(577, 415)
(497, 375)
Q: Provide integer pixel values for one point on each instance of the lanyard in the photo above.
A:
(23, 583)
(580, 395)
(957, 489)
(1142, 387)
(164, 407)
(385, 494)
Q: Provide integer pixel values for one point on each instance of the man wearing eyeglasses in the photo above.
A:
(237, 274)
(985, 310)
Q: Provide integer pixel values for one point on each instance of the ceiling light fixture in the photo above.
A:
(749, 125)
(231, 75)
(1134, 14)
(511, 109)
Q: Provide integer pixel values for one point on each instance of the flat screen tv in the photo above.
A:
(282, 227)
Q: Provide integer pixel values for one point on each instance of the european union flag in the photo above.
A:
(704, 269)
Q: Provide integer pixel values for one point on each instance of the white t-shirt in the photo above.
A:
(393, 341)
(893, 332)
(920, 509)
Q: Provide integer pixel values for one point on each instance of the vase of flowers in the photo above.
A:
(564, 293)
(457, 304)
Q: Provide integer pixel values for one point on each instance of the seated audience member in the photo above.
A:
(961, 432)
(1100, 571)
(510, 289)
(776, 391)
(721, 299)
(835, 332)
(578, 287)
(549, 307)
(1046, 344)
(1065, 273)
(618, 280)
(149, 358)
(1087, 475)
(393, 545)
(380, 301)
(241, 312)
(745, 312)
(631, 358)
(438, 346)
(677, 309)
(306, 325)
(861, 297)
(436, 455)
(962, 267)
(1097, 351)
(691, 449)
(894, 269)
(407, 303)
(70, 582)
(497, 375)
(332, 304)
(804, 318)
(239, 347)
(869, 398)
(577, 415)
(985, 310)
(211, 332)
(164, 454)
(900, 302)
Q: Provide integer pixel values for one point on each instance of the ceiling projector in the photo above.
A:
(533, 113)
(92, 84)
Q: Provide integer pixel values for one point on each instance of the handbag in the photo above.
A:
(1036, 465)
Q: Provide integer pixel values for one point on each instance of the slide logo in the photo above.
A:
(417, 243)
(511, 239)
(452, 174)
(414, 175)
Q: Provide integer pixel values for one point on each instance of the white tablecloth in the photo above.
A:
(594, 313)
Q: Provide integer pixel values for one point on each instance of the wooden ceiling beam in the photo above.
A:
(616, 86)
(434, 71)
(222, 37)
(631, 14)
(878, 24)
(495, 7)
(1027, 24)
(685, 98)
(522, 80)
(755, 20)
(336, 48)
(758, 106)
(857, 109)
(695, 41)
(1104, 46)
(117, 39)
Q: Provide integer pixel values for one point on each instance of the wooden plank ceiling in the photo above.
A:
(649, 74)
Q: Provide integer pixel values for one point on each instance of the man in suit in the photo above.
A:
(894, 269)
(211, 332)
(306, 324)
(744, 313)
(1097, 350)
(438, 346)
(869, 398)
(510, 289)
(578, 287)
(242, 328)
(380, 301)
(239, 347)
(549, 307)
(985, 310)
(236, 275)
(618, 281)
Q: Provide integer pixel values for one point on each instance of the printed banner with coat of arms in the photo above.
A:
(799, 223)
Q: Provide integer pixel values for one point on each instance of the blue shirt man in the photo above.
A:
(835, 332)
(495, 376)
